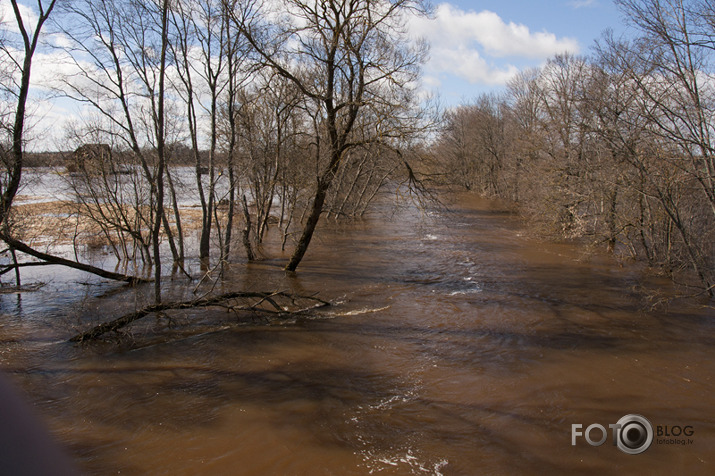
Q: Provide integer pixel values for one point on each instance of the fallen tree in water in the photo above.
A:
(276, 303)
(51, 259)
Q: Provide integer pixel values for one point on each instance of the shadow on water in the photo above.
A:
(338, 407)
(455, 347)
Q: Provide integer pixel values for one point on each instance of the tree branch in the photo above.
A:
(20, 246)
(126, 319)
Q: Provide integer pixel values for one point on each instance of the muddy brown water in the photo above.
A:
(457, 346)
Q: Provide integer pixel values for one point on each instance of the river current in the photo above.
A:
(456, 345)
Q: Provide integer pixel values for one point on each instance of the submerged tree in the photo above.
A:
(619, 147)
(672, 66)
(352, 61)
(120, 54)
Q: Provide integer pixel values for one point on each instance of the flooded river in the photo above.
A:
(457, 346)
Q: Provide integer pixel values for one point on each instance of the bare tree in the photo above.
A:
(17, 87)
(268, 126)
(456, 148)
(13, 158)
(120, 52)
(238, 69)
(477, 141)
(346, 57)
(671, 66)
(524, 99)
(109, 193)
(679, 83)
(199, 51)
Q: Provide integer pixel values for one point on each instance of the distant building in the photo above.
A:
(91, 158)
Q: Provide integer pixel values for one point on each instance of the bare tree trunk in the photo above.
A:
(247, 231)
(315, 211)
(611, 220)
(161, 151)
(30, 44)
(231, 210)
(18, 281)
(177, 216)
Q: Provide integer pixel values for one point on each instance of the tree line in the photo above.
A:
(616, 147)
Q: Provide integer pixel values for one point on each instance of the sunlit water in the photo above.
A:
(456, 345)
(48, 184)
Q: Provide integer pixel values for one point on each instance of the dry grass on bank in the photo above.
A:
(60, 222)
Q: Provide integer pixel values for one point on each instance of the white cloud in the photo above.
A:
(49, 68)
(470, 65)
(583, 3)
(431, 82)
(477, 46)
(8, 21)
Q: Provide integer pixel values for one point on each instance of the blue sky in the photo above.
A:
(478, 45)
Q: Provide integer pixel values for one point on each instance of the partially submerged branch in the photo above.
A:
(50, 259)
(25, 288)
(312, 302)
(14, 267)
